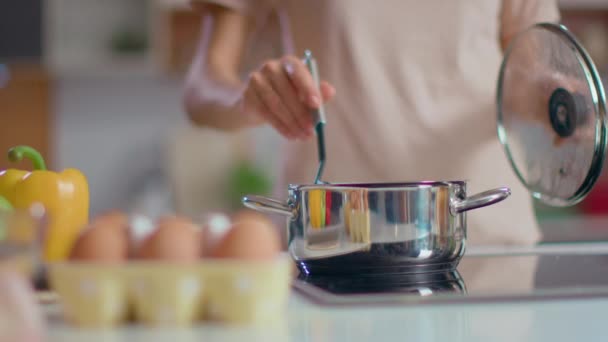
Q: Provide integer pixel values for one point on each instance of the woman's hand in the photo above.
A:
(282, 93)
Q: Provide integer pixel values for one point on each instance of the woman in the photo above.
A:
(415, 81)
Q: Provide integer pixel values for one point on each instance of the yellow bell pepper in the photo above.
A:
(8, 180)
(64, 195)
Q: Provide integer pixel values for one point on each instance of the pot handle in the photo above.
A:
(479, 200)
(267, 205)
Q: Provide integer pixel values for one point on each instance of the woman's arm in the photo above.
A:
(213, 87)
(517, 15)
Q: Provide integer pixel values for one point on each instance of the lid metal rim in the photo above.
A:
(599, 102)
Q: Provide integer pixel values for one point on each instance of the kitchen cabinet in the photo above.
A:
(21, 30)
(591, 28)
(583, 4)
(79, 37)
(26, 111)
(79, 32)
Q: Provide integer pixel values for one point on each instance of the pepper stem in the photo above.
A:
(17, 153)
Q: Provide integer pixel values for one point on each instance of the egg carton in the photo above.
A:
(163, 294)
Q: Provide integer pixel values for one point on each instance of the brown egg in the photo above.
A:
(115, 218)
(102, 242)
(250, 215)
(175, 239)
(249, 239)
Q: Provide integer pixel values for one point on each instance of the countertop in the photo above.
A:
(572, 320)
(544, 320)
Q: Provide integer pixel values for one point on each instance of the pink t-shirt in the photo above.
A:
(416, 83)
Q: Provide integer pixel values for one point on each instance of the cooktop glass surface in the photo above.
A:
(478, 278)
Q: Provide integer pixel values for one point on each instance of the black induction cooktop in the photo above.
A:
(541, 274)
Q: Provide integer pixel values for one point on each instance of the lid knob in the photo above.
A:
(563, 112)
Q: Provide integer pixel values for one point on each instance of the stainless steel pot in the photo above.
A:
(378, 227)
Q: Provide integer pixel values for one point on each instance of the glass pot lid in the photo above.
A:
(551, 112)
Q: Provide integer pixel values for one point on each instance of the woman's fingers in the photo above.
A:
(297, 111)
(254, 105)
(327, 91)
(274, 104)
(283, 92)
(302, 81)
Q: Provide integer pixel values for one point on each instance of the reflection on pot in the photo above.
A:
(442, 210)
(394, 212)
(357, 215)
(316, 203)
(320, 233)
(324, 227)
(324, 207)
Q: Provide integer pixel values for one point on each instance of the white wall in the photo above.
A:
(115, 129)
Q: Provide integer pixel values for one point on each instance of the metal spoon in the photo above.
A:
(319, 116)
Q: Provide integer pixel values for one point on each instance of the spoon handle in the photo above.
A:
(318, 114)
(311, 64)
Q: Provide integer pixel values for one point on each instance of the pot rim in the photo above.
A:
(381, 186)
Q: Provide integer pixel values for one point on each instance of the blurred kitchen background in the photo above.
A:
(96, 85)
